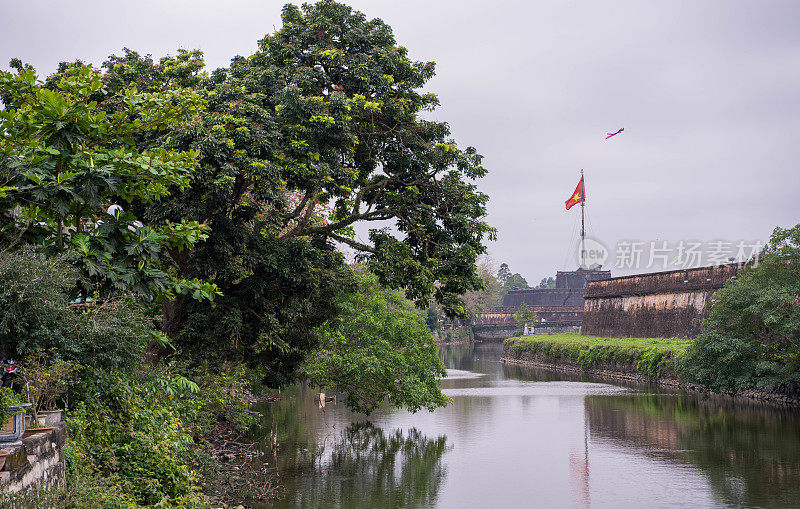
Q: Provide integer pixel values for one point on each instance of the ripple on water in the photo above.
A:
(458, 373)
(516, 388)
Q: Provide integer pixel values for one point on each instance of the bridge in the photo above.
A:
(498, 323)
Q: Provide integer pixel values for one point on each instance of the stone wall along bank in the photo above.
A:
(623, 372)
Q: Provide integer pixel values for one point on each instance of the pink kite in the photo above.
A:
(614, 134)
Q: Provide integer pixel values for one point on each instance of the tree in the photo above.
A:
(515, 281)
(380, 349)
(751, 337)
(320, 129)
(523, 315)
(68, 153)
(503, 273)
(476, 301)
(546, 282)
(509, 281)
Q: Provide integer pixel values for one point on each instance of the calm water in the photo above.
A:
(518, 437)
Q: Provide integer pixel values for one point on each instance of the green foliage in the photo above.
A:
(514, 281)
(432, 318)
(650, 356)
(47, 379)
(7, 398)
(751, 338)
(137, 439)
(379, 350)
(509, 281)
(129, 446)
(39, 314)
(524, 315)
(233, 191)
(70, 152)
(287, 288)
(223, 396)
(285, 171)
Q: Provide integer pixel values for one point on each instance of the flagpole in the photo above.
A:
(583, 232)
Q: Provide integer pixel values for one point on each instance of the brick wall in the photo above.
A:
(660, 304)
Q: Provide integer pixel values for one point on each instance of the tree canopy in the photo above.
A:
(320, 129)
(546, 282)
(508, 280)
(243, 185)
(69, 153)
(523, 315)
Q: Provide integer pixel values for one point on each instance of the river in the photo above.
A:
(520, 437)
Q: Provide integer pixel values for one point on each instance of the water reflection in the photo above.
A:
(365, 467)
(750, 454)
(525, 437)
(480, 358)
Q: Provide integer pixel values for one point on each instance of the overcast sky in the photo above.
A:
(708, 93)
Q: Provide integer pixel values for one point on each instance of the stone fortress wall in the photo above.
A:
(659, 304)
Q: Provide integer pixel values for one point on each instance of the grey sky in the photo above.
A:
(708, 93)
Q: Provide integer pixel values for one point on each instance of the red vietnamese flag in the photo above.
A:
(579, 196)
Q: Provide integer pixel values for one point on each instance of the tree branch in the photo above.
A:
(354, 244)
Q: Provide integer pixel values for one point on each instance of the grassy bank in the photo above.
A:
(649, 356)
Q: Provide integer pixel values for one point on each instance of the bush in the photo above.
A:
(47, 379)
(138, 439)
(34, 296)
(650, 356)
(128, 446)
(39, 312)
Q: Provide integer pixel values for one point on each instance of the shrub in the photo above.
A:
(128, 446)
(47, 378)
(34, 297)
(39, 312)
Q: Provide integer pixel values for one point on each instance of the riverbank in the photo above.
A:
(646, 357)
(641, 360)
(240, 472)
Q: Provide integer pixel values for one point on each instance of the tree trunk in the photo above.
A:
(174, 318)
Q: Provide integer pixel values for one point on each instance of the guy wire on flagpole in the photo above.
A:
(583, 231)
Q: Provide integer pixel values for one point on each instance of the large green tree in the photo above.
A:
(320, 129)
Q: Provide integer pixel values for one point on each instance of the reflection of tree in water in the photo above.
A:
(458, 356)
(750, 453)
(479, 357)
(367, 468)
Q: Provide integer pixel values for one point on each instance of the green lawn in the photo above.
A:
(648, 355)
